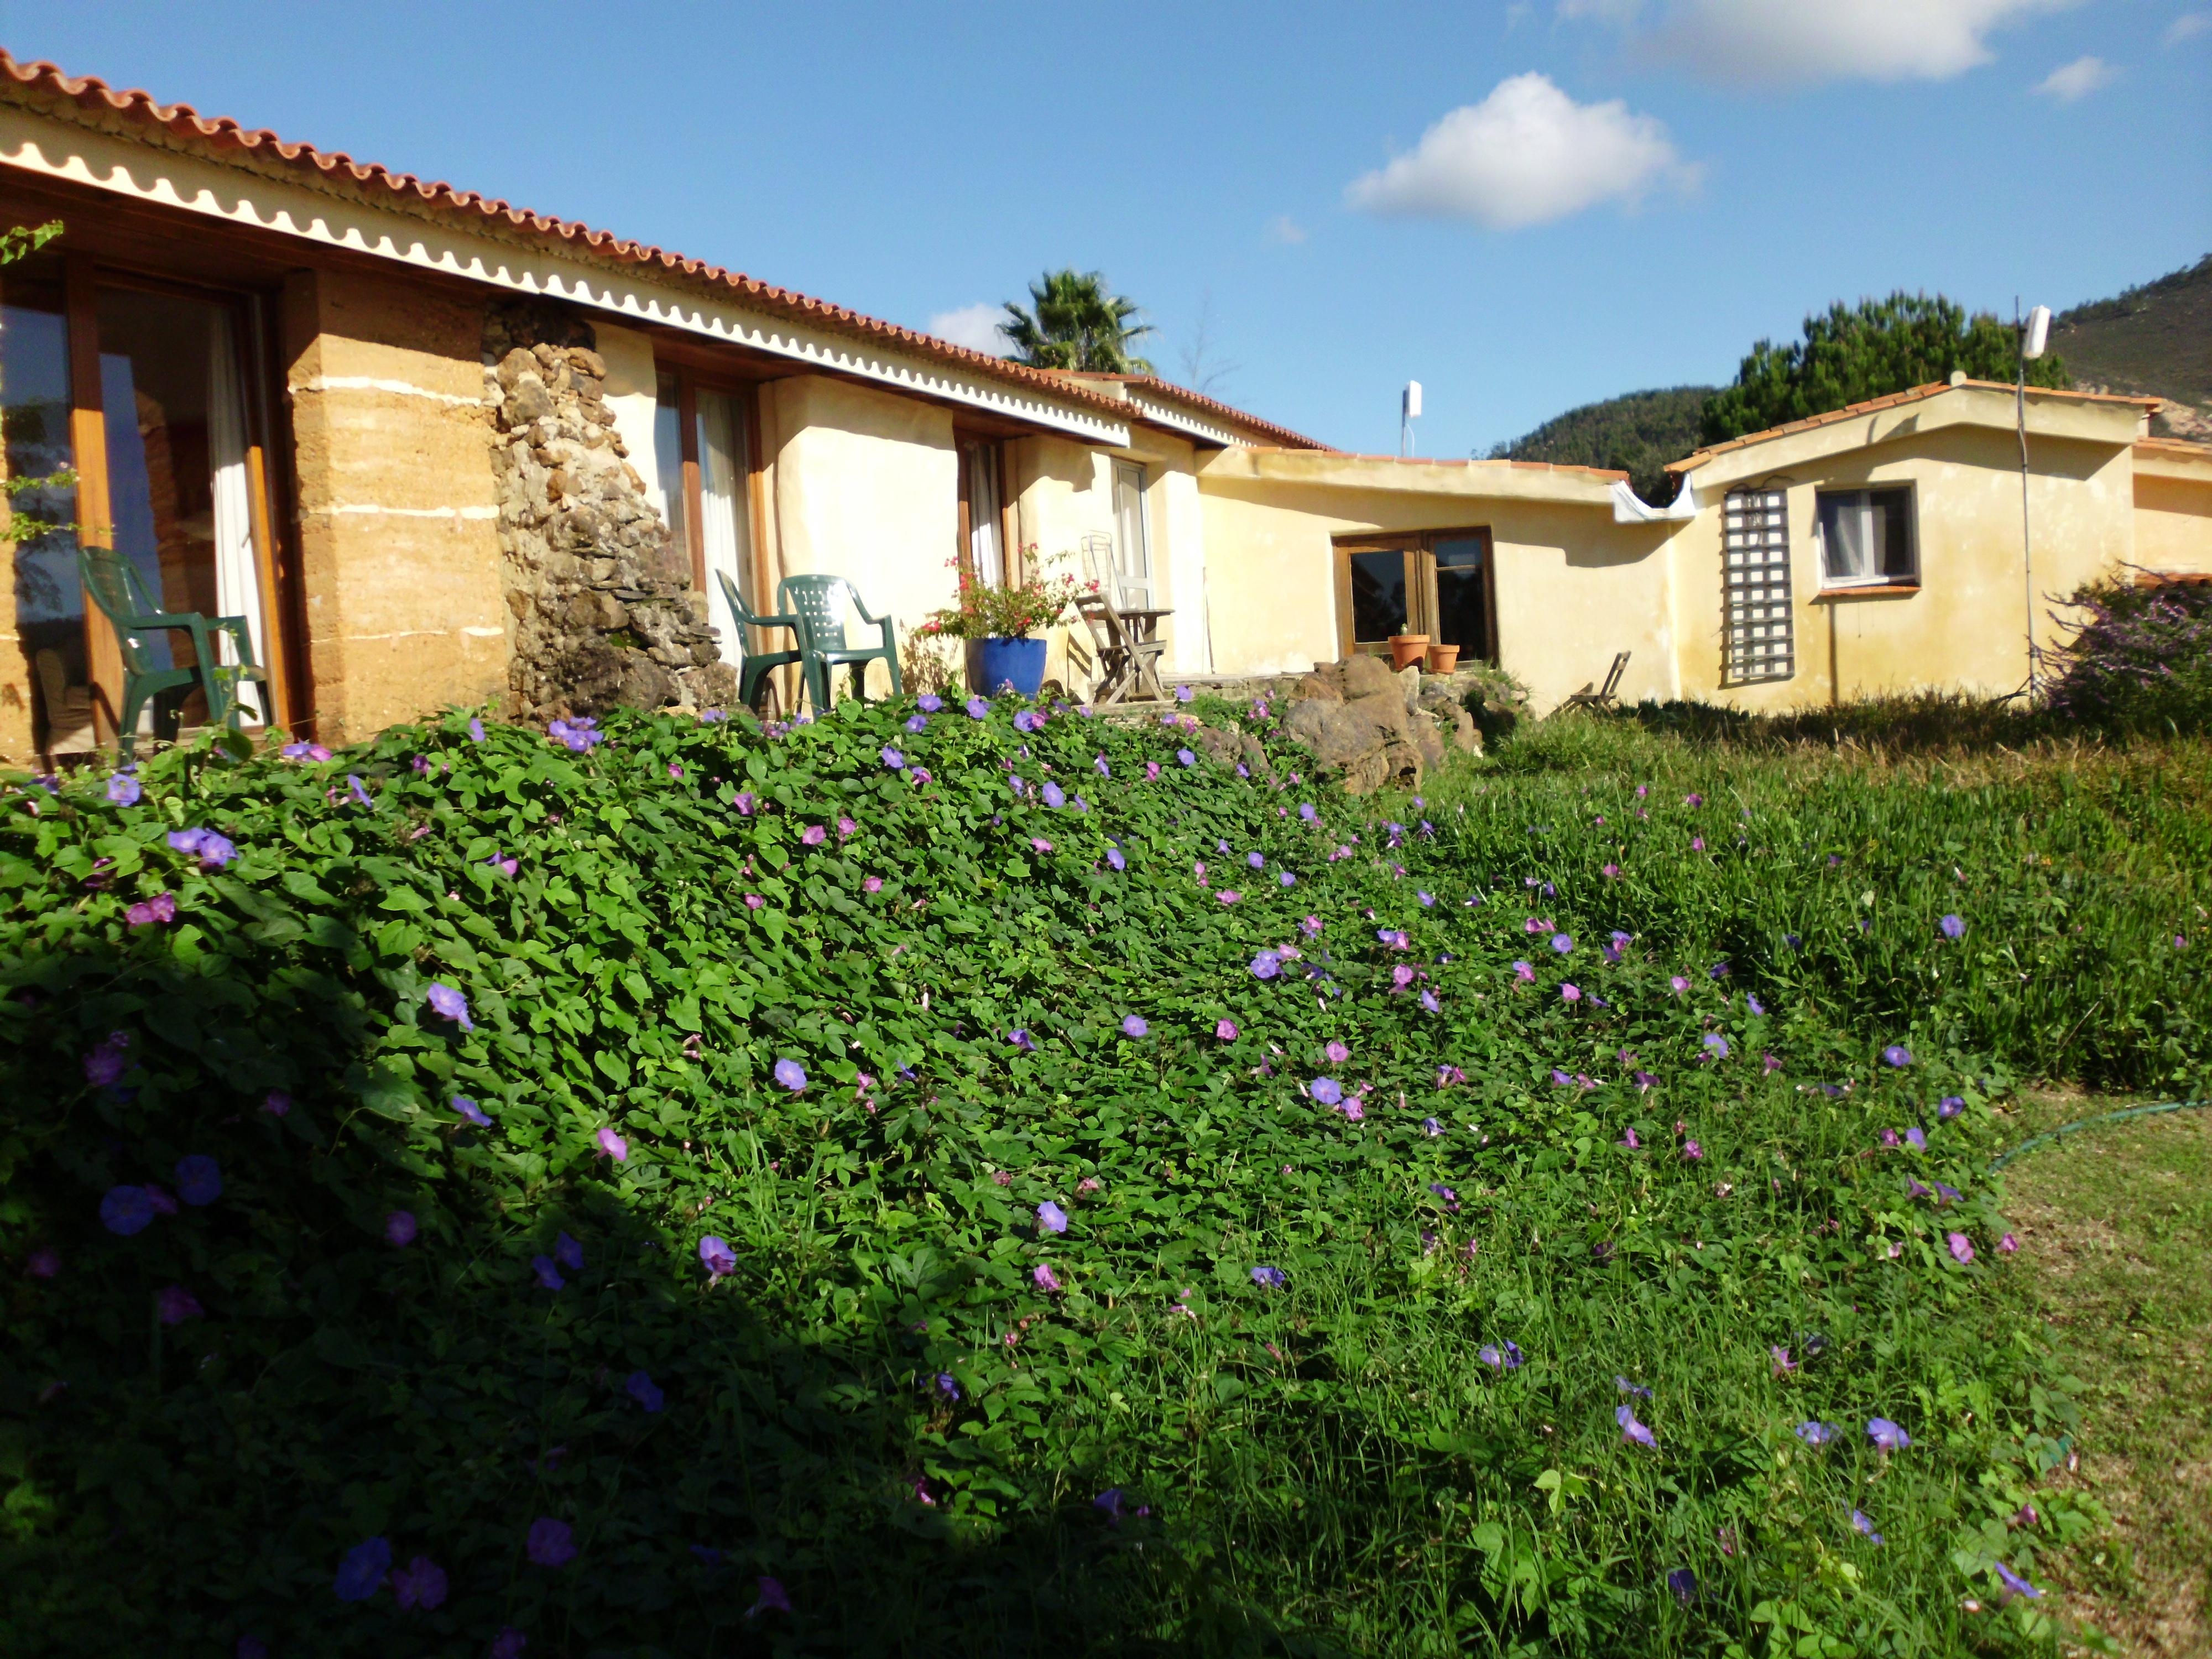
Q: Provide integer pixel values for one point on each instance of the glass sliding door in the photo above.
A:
(34, 443)
(1436, 582)
(725, 526)
(178, 492)
(1462, 606)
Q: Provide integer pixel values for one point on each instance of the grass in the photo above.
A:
(2115, 1226)
(946, 1426)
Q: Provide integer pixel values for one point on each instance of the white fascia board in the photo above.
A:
(1189, 425)
(1629, 508)
(177, 179)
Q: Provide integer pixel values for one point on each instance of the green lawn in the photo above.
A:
(2115, 1225)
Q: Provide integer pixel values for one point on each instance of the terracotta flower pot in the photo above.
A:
(1407, 649)
(1442, 659)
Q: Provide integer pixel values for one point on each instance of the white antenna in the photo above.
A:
(2039, 333)
(1409, 411)
(2034, 334)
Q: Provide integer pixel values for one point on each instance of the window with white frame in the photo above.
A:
(1867, 539)
(1761, 634)
(1132, 547)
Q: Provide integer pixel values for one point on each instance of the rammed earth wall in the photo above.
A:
(600, 590)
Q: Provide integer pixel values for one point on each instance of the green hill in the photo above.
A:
(1638, 434)
(2155, 339)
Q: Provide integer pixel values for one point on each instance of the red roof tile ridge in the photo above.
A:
(184, 119)
(1891, 400)
(1298, 440)
(1468, 461)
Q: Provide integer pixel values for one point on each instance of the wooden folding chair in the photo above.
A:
(1127, 664)
(1603, 697)
(1587, 698)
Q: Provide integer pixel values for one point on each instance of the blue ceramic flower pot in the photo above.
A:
(1000, 663)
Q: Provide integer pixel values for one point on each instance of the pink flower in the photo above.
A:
(161, 908)
(1693, 1152)
(1570, 994)
(613, 1145)
(813, 836)
(2007, 1244)
(1962, 1247)
(1040, 843)
(1697, 843)
(1225, 1030)
(1229, 896)
(1044, 1278)
(846, 827)
(1337, 1052)
(1354, 1110)
(872, 885)
(1611, 872)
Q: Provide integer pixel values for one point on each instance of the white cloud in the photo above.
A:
(1766, 41)
(2187, 26)
(974, 326)
(1525, 155)
(2071, 82)
(1284, 228)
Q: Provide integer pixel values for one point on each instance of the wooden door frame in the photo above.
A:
(1419, 548)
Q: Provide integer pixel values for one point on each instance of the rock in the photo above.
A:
(1382, 714)
(1337, 736)
(1430, 742)
(1466, 737)
(1409, 686)
(1314, 687)
(1365, 676)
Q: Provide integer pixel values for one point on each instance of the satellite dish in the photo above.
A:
(2037, 333)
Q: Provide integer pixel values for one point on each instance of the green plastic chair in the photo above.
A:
(752, 682)
(121, 595)
(819, 604)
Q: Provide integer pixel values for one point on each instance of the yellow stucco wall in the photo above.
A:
(399, 551)
(866, 485)
(2173, 508)
(1965, 627)
(1572, 586)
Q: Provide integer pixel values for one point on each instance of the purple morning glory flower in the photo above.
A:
(1325, 1090)
(400, 1228)
(549, 1276)
(719, 1258)
(450, 1004)
(640, 1388)
(199, 1179)
(1270, 1279)
(359, 794)
(1815, 1433)
(1020, 1038)
(1051, 1218)
(419, 1584)
(1962, 1247)
(1950, 1106)
(1525, 973)
(1266, 965)
(161, 908)
(1865, 1525)
(929, 703)
(1186, 757)
(126, 1210)
(363, 1568)
(1508, 1359)
(770, 1599)
(1716, 1045)
(106, 1063)
(1886, 1436)
(917, 723)
(1045, 1278)
(1897, 1055)
(551, 1543)
(472, 1112)
(2013, 1581)
(1133, 1025)
(1431, 1128)
(1571, 993)
(1563, 943)
(1917, 1138)
(893, 761)
(948, 1387)
(568, 1253)
(123, 789)
(1952, 926)
(1627, 1387)
(1632, 1430)
(790, 1074)
(475, 730)
(1225, 1030)
(613, 1145)
(1683, 1583)
(978, 709)
(176, 1305)
(1306, 811)
(1429, 1002)
(1753, 1003)
(1113, 857)
(1054, 796)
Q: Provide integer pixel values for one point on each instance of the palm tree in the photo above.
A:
(1078, 325)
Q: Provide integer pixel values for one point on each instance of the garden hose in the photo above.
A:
(2029, 1146)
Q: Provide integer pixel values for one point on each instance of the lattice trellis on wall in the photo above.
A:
(1755, 563)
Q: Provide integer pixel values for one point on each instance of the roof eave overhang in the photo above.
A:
(178, 179)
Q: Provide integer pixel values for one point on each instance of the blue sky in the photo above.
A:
(1524, 206)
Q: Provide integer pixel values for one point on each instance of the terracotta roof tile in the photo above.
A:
(1199, 400)
(1933, 388)
(222, 133)
(1468, 461)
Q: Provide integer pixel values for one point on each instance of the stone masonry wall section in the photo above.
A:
(600, 590)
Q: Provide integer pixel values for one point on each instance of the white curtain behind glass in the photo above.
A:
(1848, 530)
(722, 515)
(987, 551)
(237, 583)
(1133, 546)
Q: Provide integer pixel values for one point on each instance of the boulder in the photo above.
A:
(1383, 712)
(1315, 687)
(1466, 737)
(1409, 685)
(1367, 677)
(1338, 736)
